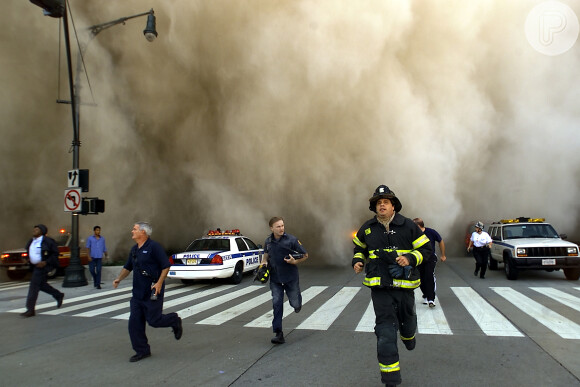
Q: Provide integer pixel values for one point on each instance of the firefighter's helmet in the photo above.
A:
(262, 274)
(383, 192)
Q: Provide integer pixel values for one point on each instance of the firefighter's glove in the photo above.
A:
(400, 272)
(262, 274)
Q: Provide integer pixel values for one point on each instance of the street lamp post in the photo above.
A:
(75, 272)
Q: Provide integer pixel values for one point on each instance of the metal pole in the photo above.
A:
(75, 272)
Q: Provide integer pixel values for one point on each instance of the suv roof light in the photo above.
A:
(522, 219)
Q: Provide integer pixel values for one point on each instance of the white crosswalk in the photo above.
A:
(324, 307)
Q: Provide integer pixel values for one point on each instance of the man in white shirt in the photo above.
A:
(43, 255)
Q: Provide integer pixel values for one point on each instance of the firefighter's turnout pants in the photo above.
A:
(394, 310)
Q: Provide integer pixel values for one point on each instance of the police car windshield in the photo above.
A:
(529, 231)
(209, 245)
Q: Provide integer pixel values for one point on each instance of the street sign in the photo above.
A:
(78, 178)
(72, 200)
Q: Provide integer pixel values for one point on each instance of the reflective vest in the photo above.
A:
(378, 248)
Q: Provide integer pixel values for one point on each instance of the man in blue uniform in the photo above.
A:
(150, 265)
(390, 247)
(282, 252)
(427, 269)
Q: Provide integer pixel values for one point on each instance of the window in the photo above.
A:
(251, 244)
(241, 245)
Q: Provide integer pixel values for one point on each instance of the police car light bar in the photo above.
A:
(219, 232)
(522, 219)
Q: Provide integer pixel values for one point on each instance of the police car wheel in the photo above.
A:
(238, 274)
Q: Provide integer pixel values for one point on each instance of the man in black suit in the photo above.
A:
(43, 255)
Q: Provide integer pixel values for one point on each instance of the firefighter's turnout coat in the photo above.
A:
(378, 248)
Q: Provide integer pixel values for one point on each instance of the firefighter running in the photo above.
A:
(392, 246)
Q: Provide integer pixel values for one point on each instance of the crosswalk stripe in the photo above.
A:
(228, 314)
(75, 299)
(180, 300)
(560, 296)
(324, 316)
(555, 322)
(367, 322)
(491, 322)
(431, 321)
(195, 309)
(111, 308)
(265, 320)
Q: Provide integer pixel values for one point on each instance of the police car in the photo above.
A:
(527, 243)
(226, 254)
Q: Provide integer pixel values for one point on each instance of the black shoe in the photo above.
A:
(476, 272)
(138, 357)
(278, 339)
(178, 329)
(297, 310)
(98, 287)
(410, 344)
(28, 313)
(59, 300)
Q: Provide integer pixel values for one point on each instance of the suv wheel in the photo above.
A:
(572, 274)
(511, 272)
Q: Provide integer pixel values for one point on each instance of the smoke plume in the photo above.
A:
(244, 110)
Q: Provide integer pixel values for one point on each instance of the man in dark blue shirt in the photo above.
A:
(427, 269)
(282, 252)
(150, 265)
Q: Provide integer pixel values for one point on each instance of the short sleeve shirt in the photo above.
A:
(146, 263)
(480, 240)
(433, 237)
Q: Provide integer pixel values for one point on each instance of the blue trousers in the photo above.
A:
(292, 290)
(95, 270)
(143, 311)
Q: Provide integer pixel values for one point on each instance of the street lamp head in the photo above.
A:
(149, 31)
(52, 8)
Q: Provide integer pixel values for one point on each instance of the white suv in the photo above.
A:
(525, 243)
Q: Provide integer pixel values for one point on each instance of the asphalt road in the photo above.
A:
(490, 332)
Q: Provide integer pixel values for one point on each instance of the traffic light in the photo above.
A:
(92, 206)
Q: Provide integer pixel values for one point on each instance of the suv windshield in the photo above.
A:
(209, 245)
(529, 231)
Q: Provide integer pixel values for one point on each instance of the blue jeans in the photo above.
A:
(95, 270)
(294, 297)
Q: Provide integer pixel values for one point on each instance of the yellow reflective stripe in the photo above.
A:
(400, 283)
(418, 256)
(390, 367)
(360, 256)
(367, 231)
(420, 241)
(357, 242)
(375, 281)
(407, 338)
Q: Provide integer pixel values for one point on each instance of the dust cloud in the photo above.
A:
(242, 110)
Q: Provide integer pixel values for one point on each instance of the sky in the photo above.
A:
(244, 110)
